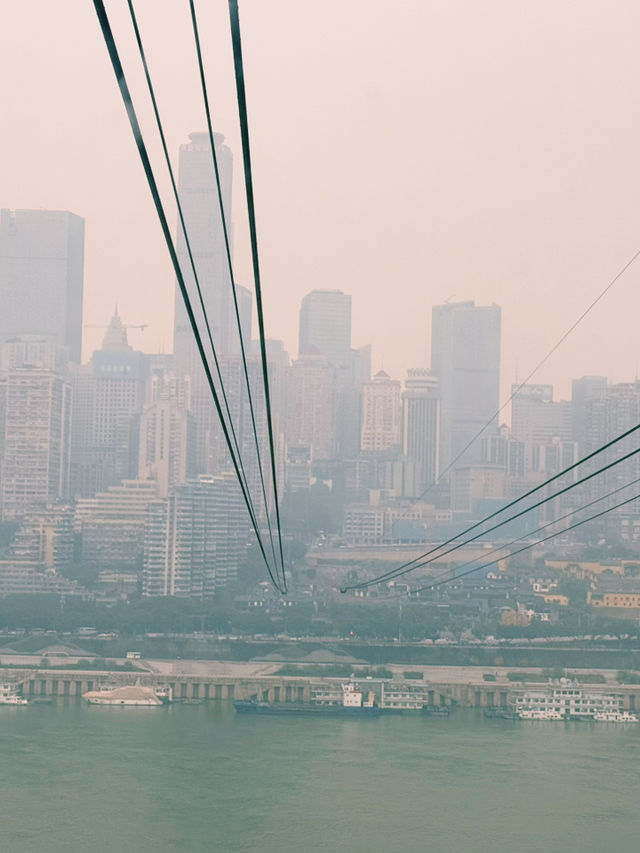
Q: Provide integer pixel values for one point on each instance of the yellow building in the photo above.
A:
(622, 593)
(585, 569)
(555, 598)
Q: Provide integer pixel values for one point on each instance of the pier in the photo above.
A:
(42, 683)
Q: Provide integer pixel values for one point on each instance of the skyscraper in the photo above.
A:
(195, 540)
(41, 276)
(380, 413)
(465, 357)
(606, 416)
(325, 323)
(325, 327)
(167, 437)
(536, 420)
(311, 405)
(582, 391)
(109, 396)
(36, 426)
(421, 426)
(203, 220)
(201, 210)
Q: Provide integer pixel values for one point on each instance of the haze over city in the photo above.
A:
(327, 563)
(405, 154)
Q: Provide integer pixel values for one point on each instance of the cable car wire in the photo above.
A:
(225, 232)
(542, 361)
(236, 40)
(533, 544)
(532, 533)
(417, 562)
(167, 158)
(144, 157)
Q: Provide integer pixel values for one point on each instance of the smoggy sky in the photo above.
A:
(404, 151)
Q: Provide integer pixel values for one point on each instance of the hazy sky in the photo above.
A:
(405, 151)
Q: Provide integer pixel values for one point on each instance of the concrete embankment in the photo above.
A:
(464, 686)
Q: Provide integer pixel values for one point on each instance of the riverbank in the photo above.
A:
(212, 680)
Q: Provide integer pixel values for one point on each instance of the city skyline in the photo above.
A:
(319, 400)
(498, 218)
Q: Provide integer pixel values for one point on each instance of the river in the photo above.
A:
(199, 778)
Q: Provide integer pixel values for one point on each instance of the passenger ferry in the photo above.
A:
(616, 717)
(567, 701)
(9, 695)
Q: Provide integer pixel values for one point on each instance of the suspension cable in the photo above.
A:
(225, 231)
(248, 182)
(420, 561)
(186, 235)
(144, 157)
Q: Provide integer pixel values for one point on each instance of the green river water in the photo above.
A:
(199, 778)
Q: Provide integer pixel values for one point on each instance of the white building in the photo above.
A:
(381, 412)
(35, 421)
(195, 540)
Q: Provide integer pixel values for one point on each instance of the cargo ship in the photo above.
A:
(353, 704)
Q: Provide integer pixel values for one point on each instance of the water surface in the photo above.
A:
(200, 778)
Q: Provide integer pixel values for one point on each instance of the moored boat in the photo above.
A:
(615, 717)
(9, 695)
(132, 695)
(354, 704)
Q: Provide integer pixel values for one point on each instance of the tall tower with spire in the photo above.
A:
(108, 398)
(115, 338)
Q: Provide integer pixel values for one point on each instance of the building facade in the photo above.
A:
(41, 276)
(421, 427)
(196, 539)
(36, 426)
(381, 412)
(465, 357)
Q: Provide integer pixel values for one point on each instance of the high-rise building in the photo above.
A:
(109, 395)
(465, 357)
(112, 524)
(474, 488)
(311, 405)
(421, 427)
(203, 220)
(536, 420)
(380, 413)
(195, 540)
(167, 437)
(500, 448)
(41, 276)
(582, 391)
(325, 326)
(608, 416)
(36, 427)
(201, 210)
(45, 539)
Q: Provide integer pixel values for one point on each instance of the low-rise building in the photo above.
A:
(616, 593)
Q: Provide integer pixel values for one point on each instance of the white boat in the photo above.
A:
(565, 700)
(540, 714)
(9, 695)
(147, 697)
(615, 717)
